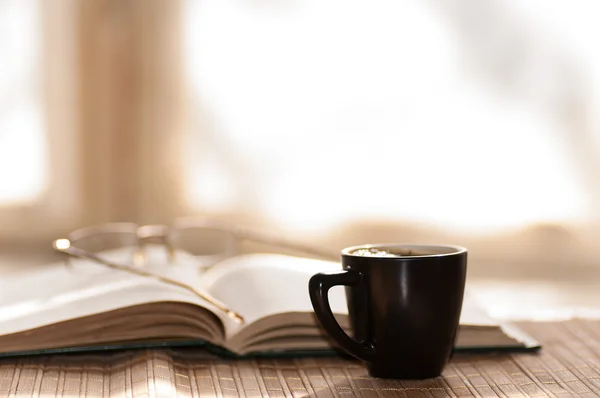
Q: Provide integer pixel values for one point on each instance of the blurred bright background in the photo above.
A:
(331, 122)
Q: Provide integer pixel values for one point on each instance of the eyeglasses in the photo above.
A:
(204, 242)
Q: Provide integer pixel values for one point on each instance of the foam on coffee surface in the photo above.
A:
(374, 252)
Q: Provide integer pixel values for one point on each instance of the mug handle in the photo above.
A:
(318, 288)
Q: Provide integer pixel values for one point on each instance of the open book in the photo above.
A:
(92, 307)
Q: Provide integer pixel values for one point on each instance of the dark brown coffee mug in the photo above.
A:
(404, 303)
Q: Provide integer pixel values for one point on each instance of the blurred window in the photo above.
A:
(464, 115)
(23, 150)
(472, 118)
(38, 194)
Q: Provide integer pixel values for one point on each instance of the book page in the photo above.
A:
(260, 285)
(55, 293)
(473, 314)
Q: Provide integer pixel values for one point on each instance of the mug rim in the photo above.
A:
(452, 250)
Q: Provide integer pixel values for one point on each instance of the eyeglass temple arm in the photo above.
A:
(62, 246)
(277, 241)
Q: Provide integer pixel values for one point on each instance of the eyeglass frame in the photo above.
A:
(162, 233)
(143, 233)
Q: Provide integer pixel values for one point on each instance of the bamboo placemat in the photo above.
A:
(567, 366)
